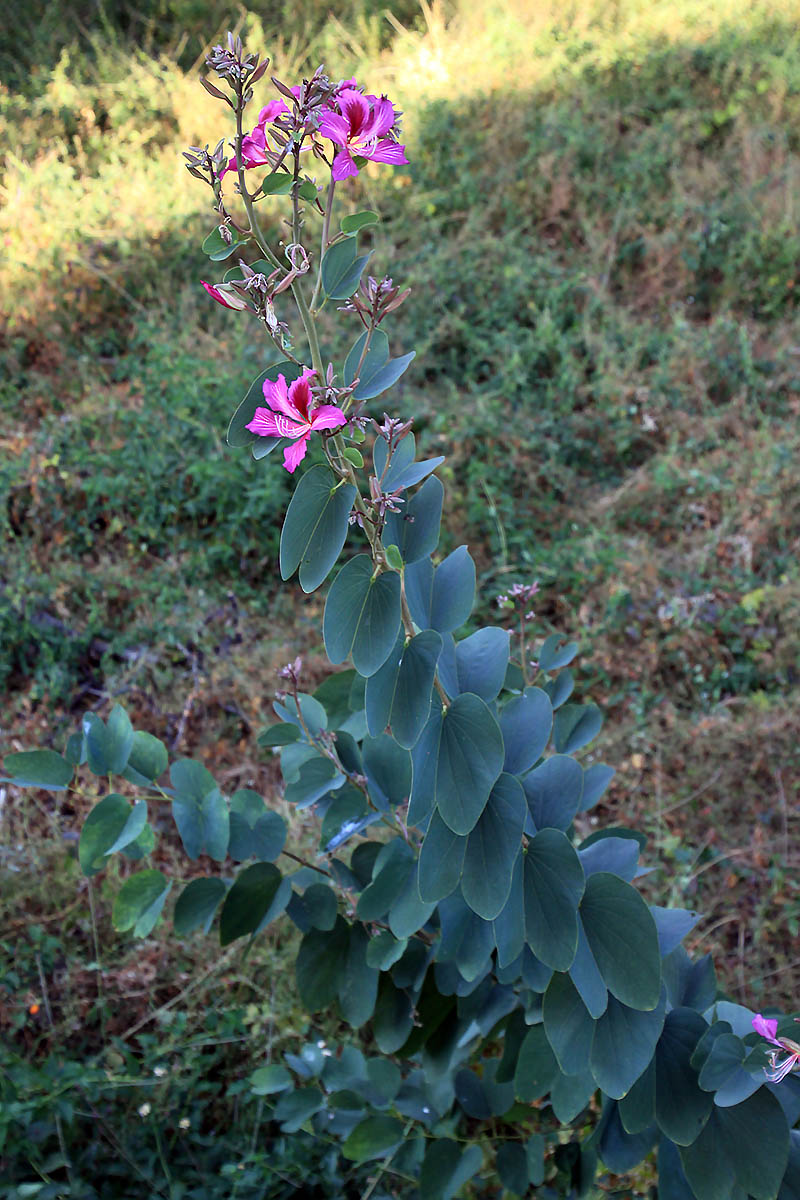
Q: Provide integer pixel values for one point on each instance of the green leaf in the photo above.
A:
(596, 779)
(238, 433)
(553, 883)
(415, 528)
(341, 270)
(441, 599)
(492, 849)
(320, 964)
(373, 1137)
(552, 655)
(387, 767)
(314, 716)
(622, 936)
(358, 987)
(259, 895)
(218, 249)
(409, 912)
(469, 761)
(359, 220)
(424, 757)
(537, 1068)
(681, 1108)
(619, 1150)
(568, 1025)
(362, 615)
(637, 1108)
(624, 1042)
(576, 725)
(585, 974)
(277, 183)
(308, 190)
(384, 950)
(553, 792)
(321, 905)
(478, 666)
(393, 557)
(108, 746)
(441, 859)
(447, 1168)
(255, 832)
(139, 902)
(111, 825)
(509, 924)
(723, 1072)
(199, 810)
(526, 722)
(197, 904)
(268, 1080)
(316, 778)
(512, 1167)
(295, 1108)
(380, 381)
(38, 768)
(375, 358)
(747, 1145)
(534, 1152)
(147, 760)
(315, 527)
(399, 693)
(355, 457)
(390, 873)
(570, 1094)
(393, 1020)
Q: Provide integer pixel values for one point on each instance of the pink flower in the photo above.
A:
(359, 128)
(254, 143)
(778, 1068)
(290, 416)
(225, 295)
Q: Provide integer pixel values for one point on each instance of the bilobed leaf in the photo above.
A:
(315, 527)
(553, 792)
(259, 895)
(316, 778)
(320, 964)
(414, 686)
(748, 1144)
(268, 1080)
(358, 986)
(197, 904)
(469, 761)
(526, 722)
(238, 434)
(374, 359)
(537, 1067)
(108, 746)
(568, 1025)
(359, 220)
(362, 615)
(509, 924)
(479, 665)
(624, 1042)
(409, 912)
(453, 591)
(570, 1094)
(637, 1108)
(147, 760)
(553, 655)
(373, 1137)
(622, 935)
(415, 528)
(277, 183)
(38, 768)
(382, 378)
(620, 1150)
(492, 848)
(341, 270)
(424, 757)
(110, 826)
(255, 831)
(553, 883)
(585, 974)
(596, 779)
(447, 1168)
(723, 1072)
(219, 248)
(672, 925)
(441, 859)
(409, 476)
(560, 689)
(295, 1108)
(512, 1167)
(617, 855)
(682, 1108)
(199, 810)
(387, 767)
(139, 902)
(576, 725)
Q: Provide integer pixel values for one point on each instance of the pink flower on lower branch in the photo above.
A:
(359, 128)
(225, 295)
(778, 1068)
(290, 415)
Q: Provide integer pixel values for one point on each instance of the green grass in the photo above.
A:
(602, 240)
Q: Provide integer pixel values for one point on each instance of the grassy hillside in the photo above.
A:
(600, 226)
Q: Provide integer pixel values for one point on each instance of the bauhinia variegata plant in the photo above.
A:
(523, 1012)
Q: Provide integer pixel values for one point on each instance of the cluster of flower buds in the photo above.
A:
(207, 167)
(519, 595)
(374, 300)
(240, 73)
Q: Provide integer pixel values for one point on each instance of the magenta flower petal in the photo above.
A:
(277, 397)
(270, 111)
(327, 416)
(355, 109)
(343, 166)
(382, 119)
(263, 423)
(293, 455)
(767, 1027)
(229, 299)
(334, 127)
(388, 151)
